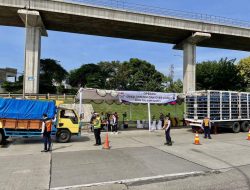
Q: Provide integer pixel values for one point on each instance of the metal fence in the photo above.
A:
(138, 8)
(62, 97)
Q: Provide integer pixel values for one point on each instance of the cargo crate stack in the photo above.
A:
(219, 106)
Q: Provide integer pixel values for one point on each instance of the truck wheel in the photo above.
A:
(236, 127)
(245, 126)
(63, 136)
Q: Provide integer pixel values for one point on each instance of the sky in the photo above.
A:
(73, 50)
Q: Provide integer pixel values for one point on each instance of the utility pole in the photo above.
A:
(171, 73)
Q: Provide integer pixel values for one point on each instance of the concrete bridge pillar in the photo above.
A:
(189, 59)
(34, 30)
(32, 62)
(189, 67)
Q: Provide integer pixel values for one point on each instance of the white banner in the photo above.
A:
(147, 97)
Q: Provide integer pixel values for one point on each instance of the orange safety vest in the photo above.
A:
(206, 122)
(48, 125)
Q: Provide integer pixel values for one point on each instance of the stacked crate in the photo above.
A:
(217, 105)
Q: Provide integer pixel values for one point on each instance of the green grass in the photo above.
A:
(140, 111)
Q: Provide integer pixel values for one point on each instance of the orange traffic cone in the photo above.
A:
(248, 138)
(106, 144)
(197, 139)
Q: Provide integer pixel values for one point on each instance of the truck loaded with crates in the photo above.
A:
(227, 109)
(23, 118)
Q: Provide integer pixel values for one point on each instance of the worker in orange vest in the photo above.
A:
(207, 126)
(46, 132)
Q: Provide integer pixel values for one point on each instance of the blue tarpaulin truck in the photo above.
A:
(23, 118)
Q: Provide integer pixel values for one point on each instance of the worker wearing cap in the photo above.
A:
(207, 126)
(97, 129)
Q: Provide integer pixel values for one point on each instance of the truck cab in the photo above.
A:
(68, 124)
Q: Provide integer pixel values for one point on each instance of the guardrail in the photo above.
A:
(62, 97)
(122, 5)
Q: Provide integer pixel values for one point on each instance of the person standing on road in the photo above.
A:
(46, 132)
(109, 121)
(115, 120)
(207, 126)
(103, 120)
(97, 129)
(124, 115)
(167, 127)
(113, 124)
(91, 121)
(161, 118)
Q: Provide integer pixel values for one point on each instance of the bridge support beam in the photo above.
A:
(189, 67)
(34, 30)
(189, 59)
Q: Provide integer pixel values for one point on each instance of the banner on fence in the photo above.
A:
(147, 97)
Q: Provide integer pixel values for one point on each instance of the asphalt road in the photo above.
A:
(231, 179)
(85, 167)
(137, 160)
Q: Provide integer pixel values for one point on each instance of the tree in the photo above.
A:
(137, 74)
(134, 74)
(51, 74)
(219, 75)
(178, 86)
(88, 75)
(170, 85)
(15, 87)
(173, 86)
(109, 72)
(244, 70)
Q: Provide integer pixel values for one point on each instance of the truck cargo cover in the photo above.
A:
(26, 109)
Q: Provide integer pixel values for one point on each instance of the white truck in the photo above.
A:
(226, 109)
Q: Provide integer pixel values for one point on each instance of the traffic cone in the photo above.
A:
(197, 139)
(106, 144)
(248, 138)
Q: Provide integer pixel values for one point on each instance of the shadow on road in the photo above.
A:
(61, 147)
(39, 140)
(80, 139)
(6, 144)
(232, 166)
